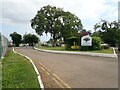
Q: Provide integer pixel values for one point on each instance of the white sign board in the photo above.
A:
(86, 41)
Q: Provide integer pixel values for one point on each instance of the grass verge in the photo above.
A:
(18, 72)
(0, 75)
(107, 51)
(52, 48)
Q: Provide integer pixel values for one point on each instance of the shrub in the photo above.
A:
(96, 43)
(72, 41)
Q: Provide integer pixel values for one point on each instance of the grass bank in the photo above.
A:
(52, 48)
(18, 72)
(107, 51)
(0, 75)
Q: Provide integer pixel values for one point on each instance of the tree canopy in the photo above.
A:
(108, 31)
(16, 38)
(30, 39)
(57, 22)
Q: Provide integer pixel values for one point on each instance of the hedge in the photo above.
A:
(96, 43)
(72, 41)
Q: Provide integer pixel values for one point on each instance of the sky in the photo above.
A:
(15, 15)
(119, 10)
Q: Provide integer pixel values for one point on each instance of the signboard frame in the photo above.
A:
(86, 41)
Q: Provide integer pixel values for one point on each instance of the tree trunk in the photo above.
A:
(119, 46)
(54, 41)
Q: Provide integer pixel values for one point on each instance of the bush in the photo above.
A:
(72, 41)
(96, 43)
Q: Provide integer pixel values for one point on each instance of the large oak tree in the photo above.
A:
(57, 22)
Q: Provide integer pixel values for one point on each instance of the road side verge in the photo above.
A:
(35, 68)
(79, 53)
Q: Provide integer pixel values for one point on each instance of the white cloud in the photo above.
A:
(24, 10)
(18, 12)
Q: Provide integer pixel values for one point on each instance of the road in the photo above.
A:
(76, 71)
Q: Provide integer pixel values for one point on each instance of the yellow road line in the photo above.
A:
(54, 75)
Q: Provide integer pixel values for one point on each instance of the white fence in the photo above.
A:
(3, 45)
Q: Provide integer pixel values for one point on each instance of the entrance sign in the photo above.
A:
(86, 41)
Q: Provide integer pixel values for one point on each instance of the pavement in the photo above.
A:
(74, 71)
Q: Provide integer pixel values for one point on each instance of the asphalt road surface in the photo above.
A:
(78, 71)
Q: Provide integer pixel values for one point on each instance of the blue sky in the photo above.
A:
(16, 15)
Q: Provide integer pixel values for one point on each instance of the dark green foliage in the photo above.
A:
(118, 40)
(70, 26)
(97, 34)
(31, 39)
(73, 41)
(16, 38)
(109, 32)
(109, 36)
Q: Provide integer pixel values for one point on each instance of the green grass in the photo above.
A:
(0, 75)
(18, 72)
(107, 51)
(53, 48)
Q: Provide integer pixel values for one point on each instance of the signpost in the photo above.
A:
(86, 41)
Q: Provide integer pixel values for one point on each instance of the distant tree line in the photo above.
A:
(30, 39)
